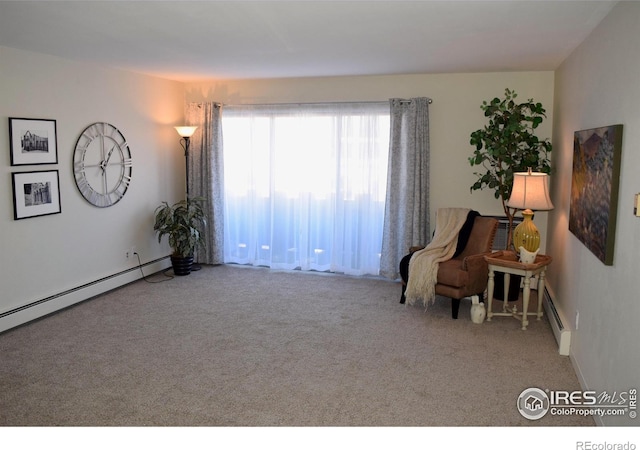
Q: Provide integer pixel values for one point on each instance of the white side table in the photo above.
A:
(507, 262)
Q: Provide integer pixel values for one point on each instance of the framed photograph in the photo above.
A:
(594, 189)
(33, 141)
(35, 193)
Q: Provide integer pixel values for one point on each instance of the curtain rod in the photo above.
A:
(316, 103)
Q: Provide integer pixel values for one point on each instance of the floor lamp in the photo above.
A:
(185, 133)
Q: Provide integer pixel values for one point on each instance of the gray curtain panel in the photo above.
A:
(406, 220)
(206, 175)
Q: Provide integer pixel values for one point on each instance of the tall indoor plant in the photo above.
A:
(508, 144)
(183, 223)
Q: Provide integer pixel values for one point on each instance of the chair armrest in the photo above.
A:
(474, 263)
(478, 269)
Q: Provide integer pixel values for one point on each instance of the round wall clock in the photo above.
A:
(102, 164)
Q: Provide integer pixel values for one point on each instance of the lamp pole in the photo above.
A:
(184, 142)
(186, 133)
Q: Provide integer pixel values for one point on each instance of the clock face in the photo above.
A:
(102, 164)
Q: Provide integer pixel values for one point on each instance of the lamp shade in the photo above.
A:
(530, 191)
(186, 132)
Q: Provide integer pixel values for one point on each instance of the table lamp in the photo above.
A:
(529, 193)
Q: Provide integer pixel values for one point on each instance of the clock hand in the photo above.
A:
(109, 155)
(104, 181)
(102, 152)
(103, 164)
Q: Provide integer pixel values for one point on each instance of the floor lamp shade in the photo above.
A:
(530, 193)
(186, 132)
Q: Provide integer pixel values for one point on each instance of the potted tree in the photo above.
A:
(506, 145)
(183, 223)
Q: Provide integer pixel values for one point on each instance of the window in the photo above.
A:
(305, 185)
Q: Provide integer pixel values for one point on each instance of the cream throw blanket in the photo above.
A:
(423, 266)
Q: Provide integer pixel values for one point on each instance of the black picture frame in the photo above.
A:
(597, 153)
(35, 193)
(33, 141)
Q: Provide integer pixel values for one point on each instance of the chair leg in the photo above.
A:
(455, 307)
(404, 274)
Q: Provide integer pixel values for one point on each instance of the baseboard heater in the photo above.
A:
(43, 307)
(557, 321)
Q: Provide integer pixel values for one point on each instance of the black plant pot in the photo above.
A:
(182, 265)
(514, 287)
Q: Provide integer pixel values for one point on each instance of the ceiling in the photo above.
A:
(204, 40)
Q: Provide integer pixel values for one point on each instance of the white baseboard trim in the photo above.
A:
(43, 307)
(559, 324)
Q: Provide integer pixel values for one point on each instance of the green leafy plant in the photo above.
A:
(508, 144)
(183, 223)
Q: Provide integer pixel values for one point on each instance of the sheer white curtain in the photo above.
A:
(305, 185)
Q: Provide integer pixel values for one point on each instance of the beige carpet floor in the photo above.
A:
(238, 346)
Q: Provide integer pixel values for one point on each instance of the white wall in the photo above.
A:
(44, 256)
(598, 85)
(454, 114)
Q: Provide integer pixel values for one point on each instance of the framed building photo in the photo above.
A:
(35, 193)
(594, 189)
(33, 141)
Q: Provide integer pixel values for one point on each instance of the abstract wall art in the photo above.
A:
(594, 189)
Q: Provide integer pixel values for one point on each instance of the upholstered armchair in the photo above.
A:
(466, 274)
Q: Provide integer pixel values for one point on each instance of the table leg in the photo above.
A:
(540, 292)
(505, 296)
(490, 286)
(525, 301)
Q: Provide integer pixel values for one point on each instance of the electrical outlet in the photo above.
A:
(130, 252)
